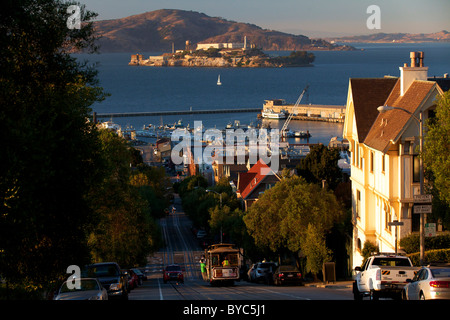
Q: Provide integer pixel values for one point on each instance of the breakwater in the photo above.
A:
(172, 113)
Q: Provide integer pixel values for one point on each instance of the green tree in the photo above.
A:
(321, 164)
(280, 218)
(48, 149)
(436, 157)
(315, 250)
(125, 231)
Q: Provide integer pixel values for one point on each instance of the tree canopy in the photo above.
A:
(280, 218)
(436, 158)
(48, 148)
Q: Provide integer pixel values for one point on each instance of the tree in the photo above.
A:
(436, 157)
(321, 164)
(48, 148)
(315, 250)
(280, 218)
(125, 231)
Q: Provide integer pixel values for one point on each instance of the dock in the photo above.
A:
(173, 113)
(308, 112)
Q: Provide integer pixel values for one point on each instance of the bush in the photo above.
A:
(440, 255)
(368, 249)
(411, 243)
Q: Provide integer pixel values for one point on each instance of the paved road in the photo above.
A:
(182, 248)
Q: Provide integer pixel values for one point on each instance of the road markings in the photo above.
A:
(160, 291)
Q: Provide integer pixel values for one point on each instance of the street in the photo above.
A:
(182, 248)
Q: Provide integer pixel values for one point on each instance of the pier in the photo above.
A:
(173, 113)
(308, 112)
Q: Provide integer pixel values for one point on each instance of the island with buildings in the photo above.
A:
(225, 55)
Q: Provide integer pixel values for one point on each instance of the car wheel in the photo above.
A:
(374, 295)
(403, 296)
(421, 296)
(356, 294)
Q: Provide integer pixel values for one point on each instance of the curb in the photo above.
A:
(336, 285)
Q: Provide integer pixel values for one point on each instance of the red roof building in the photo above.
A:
(255, 181)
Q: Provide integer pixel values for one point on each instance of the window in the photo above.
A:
(357, 155)
(371, 160)
(387, 216)
(391, 262)
(416, 169)
(358, 203)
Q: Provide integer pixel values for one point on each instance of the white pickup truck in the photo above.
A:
(383, 275)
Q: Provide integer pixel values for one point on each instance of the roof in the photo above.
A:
(368, 94)
(389, 126)
(250, 180)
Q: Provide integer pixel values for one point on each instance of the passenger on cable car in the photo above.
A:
(225, 262)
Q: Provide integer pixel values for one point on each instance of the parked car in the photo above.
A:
(261, 271)
(173, 272)
(89, 289)
(133, 279)
(432, 282)
(140, 274)
(287, 274)
(110, 276)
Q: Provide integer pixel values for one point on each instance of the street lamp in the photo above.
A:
(221, 222)
(383, 109)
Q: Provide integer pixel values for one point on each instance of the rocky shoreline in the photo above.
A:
(234, 59)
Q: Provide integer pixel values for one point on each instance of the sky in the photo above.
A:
(313, 18)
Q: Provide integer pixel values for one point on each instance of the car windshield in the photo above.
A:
(441, 273)
(137, 271)
(102, 271)
(391, 262)
(173, 268)
(85, 285)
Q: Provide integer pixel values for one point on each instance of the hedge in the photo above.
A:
(411, 243)
(438, 255)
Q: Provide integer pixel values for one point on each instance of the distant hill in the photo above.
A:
(442, 36)
(157, 30)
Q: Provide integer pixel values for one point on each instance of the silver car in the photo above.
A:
(261, 271)
(429, 283)
(89, 289)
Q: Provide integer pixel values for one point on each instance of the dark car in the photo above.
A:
(131, 278)
(140, 274)
(173, 272)
(110, 276)
(285, 274)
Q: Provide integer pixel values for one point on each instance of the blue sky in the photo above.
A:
(308, 17)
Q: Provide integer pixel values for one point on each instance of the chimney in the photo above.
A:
(416, 71)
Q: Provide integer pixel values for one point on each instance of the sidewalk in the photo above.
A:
(331, 285)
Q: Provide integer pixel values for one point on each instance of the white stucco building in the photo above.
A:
(384, 152)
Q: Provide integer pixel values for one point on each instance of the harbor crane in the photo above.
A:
(291, 114)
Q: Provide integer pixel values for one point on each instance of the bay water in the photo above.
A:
(146, 89)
